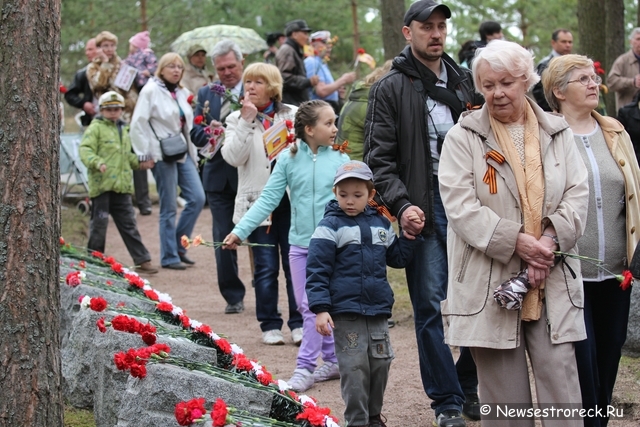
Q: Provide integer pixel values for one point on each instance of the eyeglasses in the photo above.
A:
(584, 80)
(175, 66)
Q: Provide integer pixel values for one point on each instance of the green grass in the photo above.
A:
(75, 225)
(78, 417)
(633, 365)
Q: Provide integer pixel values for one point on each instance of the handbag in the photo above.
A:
(173, 147)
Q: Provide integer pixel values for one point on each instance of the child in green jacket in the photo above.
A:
(106, 152)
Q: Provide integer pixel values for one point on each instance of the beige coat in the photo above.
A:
(194, 78)
(244, 149)
(483, 230)
(621, 78)
(621, 150)
(102, 76)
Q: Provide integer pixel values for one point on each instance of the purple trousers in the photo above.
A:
(313, 344)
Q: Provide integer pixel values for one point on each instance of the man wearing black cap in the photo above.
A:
(410, 111)
(274, 41)
(290, 61)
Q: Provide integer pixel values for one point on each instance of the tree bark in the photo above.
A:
(590, 30)
(30, 377)
(392, 14)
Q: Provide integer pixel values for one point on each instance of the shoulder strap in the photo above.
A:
(453, 99)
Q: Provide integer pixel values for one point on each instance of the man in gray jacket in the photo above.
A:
(290, 61)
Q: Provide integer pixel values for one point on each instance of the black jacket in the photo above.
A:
(629, 116)
(290, 62)
(396, 145)
(80, 92)
(538, 90)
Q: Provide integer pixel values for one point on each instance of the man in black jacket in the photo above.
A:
(410, 111)
(290, 61)
(79, 93)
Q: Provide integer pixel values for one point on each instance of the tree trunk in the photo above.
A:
(392, 14)
(591, 32)
(30, 377)
(614, 43)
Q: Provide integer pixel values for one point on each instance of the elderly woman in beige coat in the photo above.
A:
(514, 189)
(571, 87)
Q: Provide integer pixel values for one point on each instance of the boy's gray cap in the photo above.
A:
(353, 169)
(421, 11)
(296, 25)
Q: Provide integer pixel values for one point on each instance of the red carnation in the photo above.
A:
(63, 89)
(186, 322)
(224, 345)
(361, 51)
(149, 338)
(134, 280)
(120, 323)
(121, 361)
(138, 371)
(265, 378)
(242, 363)
(628, 279)
(73, 278)
(289, 124)
(98, 304)
(101, 326)
(165, 306)
(190, 98)
(97, 254)
(151, 294)
(117, 267)
(219, 413)
(205, 329)
(198, 120)
(160, 347)
(82, 264)
(109, 260)
(61, 241)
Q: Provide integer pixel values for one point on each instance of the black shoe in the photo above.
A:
(377, 421)
(145, 211)
(234, 308)
(185, 259)
(176, 266)
(471, 407)
(450, 418)
(391, 323)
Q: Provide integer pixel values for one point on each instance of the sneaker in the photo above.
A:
(234, 308)
(301, 381)
(471, 407)
(296, 336)
(146, 267)
(328, 371)
(377, 421)
(450, 418)
(273, 337)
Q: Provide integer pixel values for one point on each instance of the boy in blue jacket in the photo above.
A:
(348, 290)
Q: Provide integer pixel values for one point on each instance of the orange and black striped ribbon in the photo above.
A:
(343, 148)
(490, 175)
(382, 210)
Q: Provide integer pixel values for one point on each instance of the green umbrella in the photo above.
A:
(248, 40)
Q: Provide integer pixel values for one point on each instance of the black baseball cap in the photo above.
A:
(296, 25)
(421, 11)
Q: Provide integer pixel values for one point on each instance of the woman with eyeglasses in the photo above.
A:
(163, 111)
(571, 87)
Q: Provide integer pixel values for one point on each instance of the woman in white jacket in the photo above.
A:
(244, 148)
(162, 111)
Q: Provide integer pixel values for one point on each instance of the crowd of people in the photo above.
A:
(489, 189)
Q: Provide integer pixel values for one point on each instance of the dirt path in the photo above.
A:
(196, 291)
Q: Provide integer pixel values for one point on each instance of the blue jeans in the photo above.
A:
(427, 281)
(169, 176)
(221, 206)
(266, 270)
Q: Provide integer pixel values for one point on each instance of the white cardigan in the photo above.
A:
(243, 148)
(156, 105)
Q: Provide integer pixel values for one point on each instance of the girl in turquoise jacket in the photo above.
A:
(307, 169)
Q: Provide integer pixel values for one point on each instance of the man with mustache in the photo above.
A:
(410, 111)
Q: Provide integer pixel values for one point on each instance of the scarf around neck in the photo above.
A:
(530, 183)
